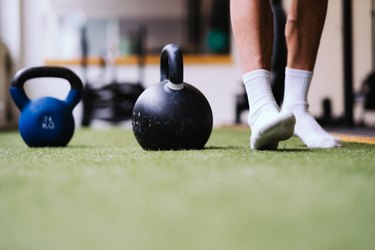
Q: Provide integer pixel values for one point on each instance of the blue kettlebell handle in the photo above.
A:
(18, 93)
(171, 64)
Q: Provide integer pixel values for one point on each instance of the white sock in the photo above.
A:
(297, 83)
(268, 125)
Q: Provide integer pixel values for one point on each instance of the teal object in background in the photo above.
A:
(218, 41)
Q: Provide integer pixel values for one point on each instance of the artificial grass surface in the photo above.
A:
(104, 192)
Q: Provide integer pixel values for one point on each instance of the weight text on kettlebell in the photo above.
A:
(48, 123)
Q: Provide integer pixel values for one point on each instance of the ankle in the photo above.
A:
(297, 84)
(259, 93)
(270, 109)
(298, 109)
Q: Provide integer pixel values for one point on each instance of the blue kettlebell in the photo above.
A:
(46, 121)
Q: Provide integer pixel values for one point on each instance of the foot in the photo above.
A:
(268, 125)
(271, 128)
(297, 83)
(311, 133)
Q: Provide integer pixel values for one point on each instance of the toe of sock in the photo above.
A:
(327, 142)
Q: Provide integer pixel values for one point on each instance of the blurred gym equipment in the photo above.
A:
(112, 102)
(8, 117)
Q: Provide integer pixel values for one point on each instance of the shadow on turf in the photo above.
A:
(293, 150)
(239, 147)
(221, 147)
(80, 146)
(205, 148)
(231, 147)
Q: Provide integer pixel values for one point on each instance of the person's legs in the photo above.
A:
(252, 23)
(303, 32)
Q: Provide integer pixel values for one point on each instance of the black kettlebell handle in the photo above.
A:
(35, 72)
(171, 64)
(26, 74)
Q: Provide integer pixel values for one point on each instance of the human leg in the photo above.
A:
(303, 32)
(252, 23)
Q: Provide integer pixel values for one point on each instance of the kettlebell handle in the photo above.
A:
(23, 75)
(171, 64)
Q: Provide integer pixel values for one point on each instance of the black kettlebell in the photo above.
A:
(172, 115)
(46, 121)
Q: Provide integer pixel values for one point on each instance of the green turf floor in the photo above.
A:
(104, 192)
